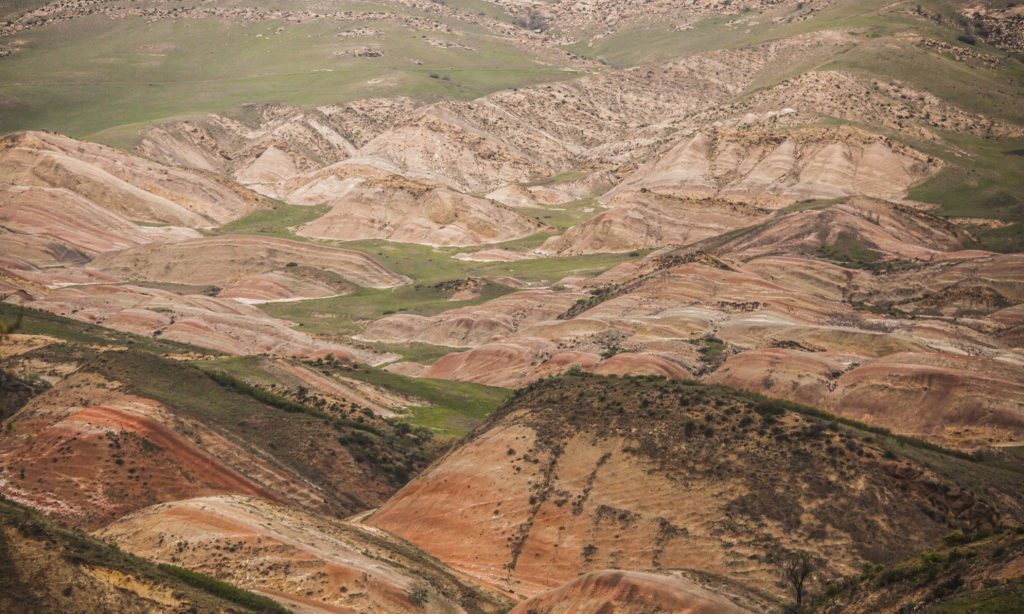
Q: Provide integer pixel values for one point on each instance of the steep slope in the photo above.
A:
(982, 575)
(776, 169)
(126, 185)
(54, 226)
(628, 592)
(446, 147)
(370, 200)
(648, 220)
(231, 258)
(711, 183)
(308, 562)
(220, 324)
(45, 567)
(585, 473)
(858, 231)
(126, 430)
(272, 143)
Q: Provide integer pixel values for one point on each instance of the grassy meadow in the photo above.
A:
(97, 79)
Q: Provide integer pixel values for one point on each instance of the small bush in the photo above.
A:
(769, 407)
(955, 539)
(418, 596)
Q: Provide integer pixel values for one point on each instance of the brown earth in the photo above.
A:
(128, 430)
(107, 454)
(312, 563)
(585, 473)
(232, 258)
(123, 184)
(219, 324)
(628, 592)
(45, 567)
(781, 309)
(53, 226)
(370, 200)
(767, 178)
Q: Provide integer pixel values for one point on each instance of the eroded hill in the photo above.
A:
(344, 234)
(49, 567)
(585, 473)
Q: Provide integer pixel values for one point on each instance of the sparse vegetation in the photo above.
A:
(596, 297)
(219, 64)
(78, 550)
(455, 407)
(849, 252)
(244, 598)
(419, 596)
(715, 133)
(959, 579)
(312, 442)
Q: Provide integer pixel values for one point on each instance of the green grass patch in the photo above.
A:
(34, 322)
(712, 349)
(648, 42)
(850, 252)
(423, 353)
(446, 422)
(346, 315)
(428, 267)
(565, 215)
(247, 368)
(104, 79)
(455, 407)
(275, 221)
(447, 408)
(563, 177)
(1006, 599)
(982, 179)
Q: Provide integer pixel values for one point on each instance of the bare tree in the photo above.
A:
(795, 572)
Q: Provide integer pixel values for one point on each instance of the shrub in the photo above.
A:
(769, 407)
(223, 590)
(418, 596)
(955, 538)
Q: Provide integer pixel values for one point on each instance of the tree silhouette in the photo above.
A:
(795, 572)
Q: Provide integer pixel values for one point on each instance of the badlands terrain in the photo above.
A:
(512, 306)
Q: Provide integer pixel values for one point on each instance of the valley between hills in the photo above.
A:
(512, 306)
